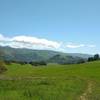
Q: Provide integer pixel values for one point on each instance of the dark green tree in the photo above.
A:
(96, 57)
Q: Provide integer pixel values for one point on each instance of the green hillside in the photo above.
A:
(28, 55)
(52, 82)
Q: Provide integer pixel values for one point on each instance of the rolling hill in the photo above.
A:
(8, 53)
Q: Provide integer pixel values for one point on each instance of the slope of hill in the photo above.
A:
(28, 55)
(63, 59)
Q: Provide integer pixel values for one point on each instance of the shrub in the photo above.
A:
(2, 66)
(90, 59)
(8, 62)
(34, 63)
(80, 61)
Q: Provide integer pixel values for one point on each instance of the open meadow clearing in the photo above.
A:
(52, 82)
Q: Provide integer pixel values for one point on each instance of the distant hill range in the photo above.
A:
(8, 53)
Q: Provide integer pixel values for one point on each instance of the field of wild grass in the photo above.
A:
(52, 82)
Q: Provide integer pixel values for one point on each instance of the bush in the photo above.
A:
(38, 63)
(90, 59)
(8, 62)
(2, 66)
(42, 63)
(22, 62)
(80, 61)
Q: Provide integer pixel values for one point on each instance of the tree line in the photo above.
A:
(94, 58)
(33, 63)
(3, 64)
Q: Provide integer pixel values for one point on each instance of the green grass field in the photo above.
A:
(52, 82)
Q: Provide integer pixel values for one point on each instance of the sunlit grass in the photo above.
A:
(52, 82)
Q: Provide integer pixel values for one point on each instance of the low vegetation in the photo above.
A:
(53, 79)
(2, 66)
(34, 63)
(51, 82)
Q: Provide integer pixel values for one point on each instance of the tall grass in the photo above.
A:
(52, 82)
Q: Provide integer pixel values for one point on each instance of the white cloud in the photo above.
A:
(74, 45)
(36, 41)
(39, 43)
(28, 42)
(1, 37)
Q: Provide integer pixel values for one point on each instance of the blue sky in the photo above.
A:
(73, 24)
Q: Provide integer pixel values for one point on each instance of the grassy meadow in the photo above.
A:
(52, 82)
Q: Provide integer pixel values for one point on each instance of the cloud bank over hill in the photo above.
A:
(30, 42)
